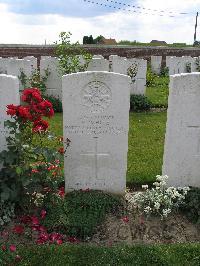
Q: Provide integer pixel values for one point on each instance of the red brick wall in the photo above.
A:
(127, 51)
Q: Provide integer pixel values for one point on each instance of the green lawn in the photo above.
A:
(146, 142)
(161, 255)
(158, 92)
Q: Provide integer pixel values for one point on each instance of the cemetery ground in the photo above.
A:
(116, 236)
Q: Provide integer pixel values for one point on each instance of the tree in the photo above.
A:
(69, 55)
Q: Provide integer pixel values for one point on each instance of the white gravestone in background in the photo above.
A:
(182, 140)
(98, 64)
(156, 62)
(9, 94)
(54, 81)
(96, 120)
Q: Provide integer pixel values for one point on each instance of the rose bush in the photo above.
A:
(29, 165)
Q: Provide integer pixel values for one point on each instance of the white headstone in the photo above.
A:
(182, 140)
(9, 94)
(3, 65)
(98, 64)
(97, 56)
(156, 62)
(54, 81)
(33, 61)
(96, 120)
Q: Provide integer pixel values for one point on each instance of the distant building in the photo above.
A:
(156, 42)
(107, 41)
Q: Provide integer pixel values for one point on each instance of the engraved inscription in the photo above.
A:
(96, 96)
(95, 125)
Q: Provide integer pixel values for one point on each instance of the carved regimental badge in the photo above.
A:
(96, 96)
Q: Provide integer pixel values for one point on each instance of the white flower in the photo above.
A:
(157, 205)
(147, 209)
(166, 212)
(145, 186)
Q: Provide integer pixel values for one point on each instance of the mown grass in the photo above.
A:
(162, 255)
(146, 143)
(158, 91)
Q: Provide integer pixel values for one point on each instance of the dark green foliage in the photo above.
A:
(139, 103)
(164, 72)
(191, 207)
(79, 213)
(143, 255)
(91, 40)
(57, 104)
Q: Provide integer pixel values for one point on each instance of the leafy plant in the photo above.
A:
(6, 212)
(151, 78)
(132, 71)
(56, 103)
(139, 103)
(160, 200)
(188, 67)
(164, 72)
(35, 80)
(20, 175)
(79, 213)
(191, 206)
(69, 55)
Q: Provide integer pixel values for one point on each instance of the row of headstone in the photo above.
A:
(138, 68)
(176, 65)
(184, 64)
(96, 120)
(15, 66)
(135, 68)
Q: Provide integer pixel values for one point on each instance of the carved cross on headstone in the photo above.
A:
(96, 154)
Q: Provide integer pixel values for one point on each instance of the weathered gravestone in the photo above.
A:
(156, 62)
(9, 94)
(182, 140)
(96, 120)
(98, 64)
(54, 80)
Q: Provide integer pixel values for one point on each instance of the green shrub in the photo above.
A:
(57, 104)
(79, 213)
(164, 72)
(139, 103)
(151, 78)
(191, 208)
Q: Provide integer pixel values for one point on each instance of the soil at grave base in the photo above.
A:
(175, 229)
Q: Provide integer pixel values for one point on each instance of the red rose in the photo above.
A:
(125, 219)
(35, 220)
(24, 112)
(59, 242)
(61, 150)
(12, 109)
(31, 95)
(26, 219)
(12, 248)
(18, 229)
(46, 108)
(61, 192)
(40, 126)
(43, 214)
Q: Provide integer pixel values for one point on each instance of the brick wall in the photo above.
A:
(127, 51)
